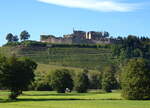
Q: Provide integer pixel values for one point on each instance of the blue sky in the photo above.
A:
(58, 17)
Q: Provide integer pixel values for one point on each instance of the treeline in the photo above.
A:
(24, 35)
(132, 47)
(133, 62)
(63, 79)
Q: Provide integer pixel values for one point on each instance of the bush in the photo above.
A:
(61, 79)
(30, 43)
(95, 80)
(11, 44)
(41, 82)
(82, 82)
(43, 86)
(136, 80)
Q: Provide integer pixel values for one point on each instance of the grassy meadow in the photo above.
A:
(51, 99)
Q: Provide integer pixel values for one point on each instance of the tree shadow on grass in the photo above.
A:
(43, 99)
(63, 94)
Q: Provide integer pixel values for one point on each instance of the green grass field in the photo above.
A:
(34, 99)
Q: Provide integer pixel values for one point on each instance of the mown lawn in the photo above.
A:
(36, 99)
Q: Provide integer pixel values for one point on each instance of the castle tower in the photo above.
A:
(86, 35)
(89, 35)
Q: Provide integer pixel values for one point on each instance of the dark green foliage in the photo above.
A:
(95, 80)
(27, 43)
(81, 82)
(61, 79)
(9, 37)
(136, 80)
(30, 43)
(109, 81)
(132, 47)
(24, 35)
(16, 74)
(11, 44)
(42, 86)
(41, 82)
(80, 45)
(15, 38)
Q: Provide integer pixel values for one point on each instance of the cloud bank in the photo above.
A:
(97, 5)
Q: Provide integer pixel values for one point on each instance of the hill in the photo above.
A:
(79, 57)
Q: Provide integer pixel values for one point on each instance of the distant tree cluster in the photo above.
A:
(14, 38)
(81, 82)
(132, 47)
(11, 38)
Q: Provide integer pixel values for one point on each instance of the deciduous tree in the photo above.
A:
(136, 80)
(16, 74)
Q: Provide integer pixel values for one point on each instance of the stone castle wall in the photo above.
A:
(80, 37)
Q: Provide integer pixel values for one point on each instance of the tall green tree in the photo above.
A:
(61, 79)
(16, 74)
(95, 80)
(136, 80)
(82, 82)
(9, 37)
(24, 35)
(109, 81)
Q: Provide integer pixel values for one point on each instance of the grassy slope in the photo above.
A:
(46, 68)
(72, 100)
(6, 51)
(92, 58)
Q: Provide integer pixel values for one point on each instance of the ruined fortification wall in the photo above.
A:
(81, 37)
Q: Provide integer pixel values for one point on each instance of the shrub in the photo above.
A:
(43, 86)
(136, 80)
(41, 82)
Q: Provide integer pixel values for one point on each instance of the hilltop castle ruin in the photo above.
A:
(80, 37)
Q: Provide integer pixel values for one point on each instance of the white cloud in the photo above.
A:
(98, 5)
